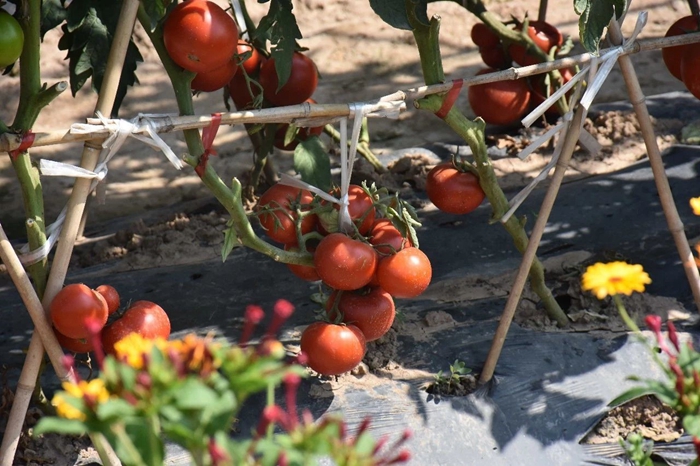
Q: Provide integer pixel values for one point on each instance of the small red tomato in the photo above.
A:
(344, 263)
(453, 191)
(386, 238)
(110, 294)
(544, 35)
(690, 69)
(305, 272)
(73, 306)
(143, 317)
(333, 349)
(210, 81)
(406, 274)
(251, 64)
(301, 84)
(372, 312)
(75, 345)
(276, 214)
(500, 102)
(672, 56)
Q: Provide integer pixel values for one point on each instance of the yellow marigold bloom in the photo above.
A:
(695, 205)
(196, 353)
(614, 278)
(93, 392)
(133, 347)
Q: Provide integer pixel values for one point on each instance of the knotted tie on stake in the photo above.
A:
(208, 136)
(450, 99)
(26, 143)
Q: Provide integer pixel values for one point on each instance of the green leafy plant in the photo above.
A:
(638, 450)
(457, 382)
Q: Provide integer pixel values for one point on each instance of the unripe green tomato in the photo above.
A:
(11, 39)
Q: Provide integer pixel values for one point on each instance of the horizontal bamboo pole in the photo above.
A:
(11, 141)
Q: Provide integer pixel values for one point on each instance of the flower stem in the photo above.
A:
(631, 324)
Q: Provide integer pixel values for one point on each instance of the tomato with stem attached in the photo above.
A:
(500, 102)
(277, 215)
(73, 306)
(333, 349)
(544, 35)
(406, 274)
(248, 57)
(210, 81)
(371, 310)
(76, 345)
(111, 296)
(453, 191)
(143, 317)
(200, 36)
(386, 238)
(344, 263)
(672, 56)
(301, 84)
(11, 39)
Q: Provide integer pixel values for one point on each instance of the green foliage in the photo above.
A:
(279, 26)
(594, 17)
(402, 214)
(155, 9)
(457, 371)
(311, 161)
(638, 450)
(395, 14)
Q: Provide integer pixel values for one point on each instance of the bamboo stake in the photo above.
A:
(9, 141)
(569, 144)
(76, 205)
(675, 225)
(542, 12)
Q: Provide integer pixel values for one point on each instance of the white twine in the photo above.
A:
(597, 76)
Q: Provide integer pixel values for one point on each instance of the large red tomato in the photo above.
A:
(333, 349)
(143, 317)
(484, 36)
(210, 81)
(305, 272)
(344, 263)
(372, 311)
(406, 274)
(544, 35)
(278, 221)
(673, 55)
(501, 102)
(386, 238)
(300, 86)
(200, 36)
(453, 191)
(73, 306)
(82, 345)
(690, 69)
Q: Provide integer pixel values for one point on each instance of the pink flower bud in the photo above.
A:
(282, 459)
(403, 457)
(673, 335)
(218, 454)
(282, 311)
(291, 385)
(253, 316)
(654, 323)
(271, 415)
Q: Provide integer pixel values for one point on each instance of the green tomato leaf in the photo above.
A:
(155, 10)
(580, 6)
(52, 14)
(631, 394)
(60, 426)
(595, 17)
(311, 161)
(230, 241)
(392, 12)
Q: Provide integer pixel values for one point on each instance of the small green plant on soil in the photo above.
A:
(638, 450)
(458, 382)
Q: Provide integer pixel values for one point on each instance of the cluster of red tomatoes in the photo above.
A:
(505, 102)
(683, 61)
(203, 38)
(76, 305)
(365, 270)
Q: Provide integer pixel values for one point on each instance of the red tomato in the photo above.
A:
(372, 312)
(111, 296)
(544, 35)
(484, 36)
(361, 208)
(73, 305)
(453, 191)
(200, 36)
(279, 221)
(210, 81)
(304, 272)
(302, 134)
(344, 263)
(300, 86)
(494, 57)
(690, 69)
(406, 274)
(672, 55)
(241, 96)
(539, 91)
(143, 317)
(501, 102)
(75, 345)
(333, 349)
(251, 64)
(386, 238)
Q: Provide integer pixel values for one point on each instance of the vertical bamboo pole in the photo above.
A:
(76, 207)
(569, 144)
(675, 225)
(542, 12)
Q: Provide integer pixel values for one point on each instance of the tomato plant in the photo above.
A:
(672, 56)
(333, 349)
(76, 345)
(73, 306)
(386, 238)
(300, 86)
(200, 36)
(501, 102)
(541, 89)
(277, 216)
(111, 296)
(11, 39)
(305, 272)
(213, 80)
(372, 311)
(406, 274)
(143, 317)
(248, 57)
(690, 69)
(344, 263)
(453, 191)
(544, 35)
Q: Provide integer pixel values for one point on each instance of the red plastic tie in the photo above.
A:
(208, 135)
(27, 141)
(450, 99)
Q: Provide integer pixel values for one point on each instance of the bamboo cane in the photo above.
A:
(569, 144)
(76, 204)
(675, 224)
(9, 141)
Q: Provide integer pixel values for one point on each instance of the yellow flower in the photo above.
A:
(615, 278)
(196, 353)
(93, 392)
(695, 205)
(133, 347)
